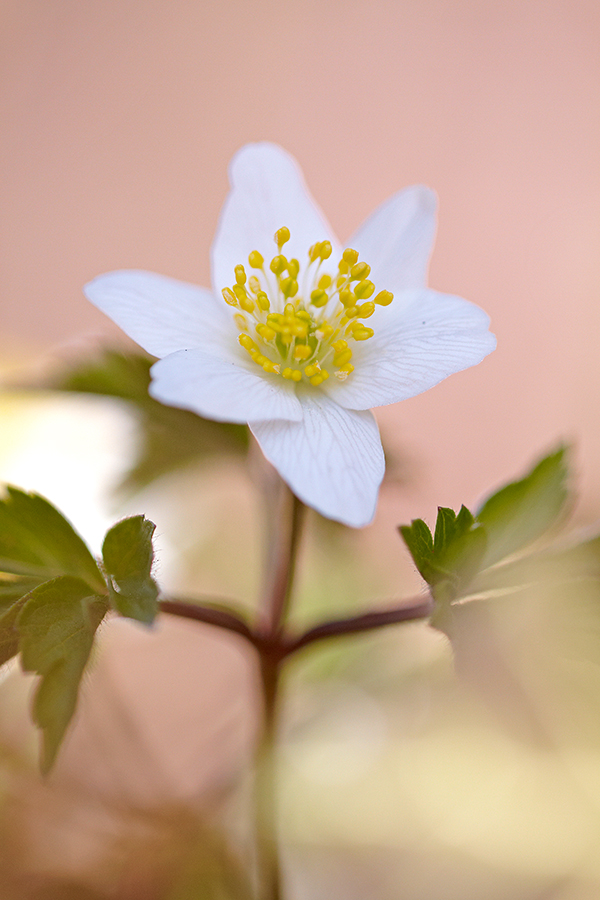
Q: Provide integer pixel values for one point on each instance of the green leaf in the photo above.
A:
(128, 555)
(57, 624)
(522, 511)
(170, 438)
(9, 636)
(450, 560)
(419, 541)
(37, 541)
(445, 527)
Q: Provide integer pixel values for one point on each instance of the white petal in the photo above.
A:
(267, 192)
(161, 314)
(396, 240)
(438, 335)
(221, 390)
(332, 459)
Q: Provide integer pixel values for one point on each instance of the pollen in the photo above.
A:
(303, 322)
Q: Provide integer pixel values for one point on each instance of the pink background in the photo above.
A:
(120, 119)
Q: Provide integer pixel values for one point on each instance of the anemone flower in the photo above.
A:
(299, 337)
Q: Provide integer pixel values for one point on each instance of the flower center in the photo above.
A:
(303, 327)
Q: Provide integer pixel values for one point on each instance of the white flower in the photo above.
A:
(285, 346)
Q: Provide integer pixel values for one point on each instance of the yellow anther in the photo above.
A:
(350, 256)
(362, 334)
(289, 287)
(325, 249)
(229, 297)
(282, 236)
(296, 375)
(278, 265)
(340, 281)
(383, 298)
(289, 311)
(293, 268)
(266, 332)
(366, 309)
(256, 260)
(338, 346)
(351, 313)
(302, 314)
(241, 321)
(324, 374)
(316, 380)
(324, 331)
(359, 271)
(364, 289)
(240, 274)
(319, 298)
(347, 297)
(324, 282)
(246, 304)
(247, 342)
(269, 366)
(263, 301)
(254, 284)
(343, 373)
(302, 351)
(287, 373)
(343, 267)
(340, 359)
(313, 369)
(275, 319)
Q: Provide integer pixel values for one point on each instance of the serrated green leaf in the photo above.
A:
(170, 438)
(37, 541)
(13, 587)
(9, 636)
(57, 624)
(419, 541)
(444, 528)
(523, 510)
(128, 555)
(450, 560)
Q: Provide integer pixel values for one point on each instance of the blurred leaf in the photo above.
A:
(13, 587)
(128, 555)
(36, 540)
(57, 624)
(170, 438)
(9, 636)
(419, 541)
(464, 546)
(523, 510)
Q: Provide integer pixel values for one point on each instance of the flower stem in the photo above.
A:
(271, 644)
(265, 787)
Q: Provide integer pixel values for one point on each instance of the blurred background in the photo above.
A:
(399, 780)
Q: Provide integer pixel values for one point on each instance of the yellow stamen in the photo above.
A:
(282, 321)
(256, 260)
(282, 236)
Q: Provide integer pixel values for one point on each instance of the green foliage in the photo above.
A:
(449, 559)
(56, 627)
(53, 597)
(170, 438)
(464, 546)
(37, 541)
(127, 554)
(524, 510)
